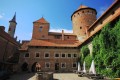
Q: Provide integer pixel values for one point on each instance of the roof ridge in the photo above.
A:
(42, 20)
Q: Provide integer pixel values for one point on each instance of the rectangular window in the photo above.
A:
(47, 65)
(57, 55)
(40, 28)
(57, 37)
(74, 55)
(74, 65)
(26, 54)
(37, 55)
(69, 55)
(47, 55)
(63, 65)
(63, 55)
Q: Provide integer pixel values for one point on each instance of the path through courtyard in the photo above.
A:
(57, 76)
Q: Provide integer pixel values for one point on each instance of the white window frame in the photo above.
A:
(40, 28)
(70, 54)
(74, 56)
(55, 54)
(46, 53)
(25, 54)
(75, 63)
(63, 53)
(36, 53)
(63, 63)
(47, 63)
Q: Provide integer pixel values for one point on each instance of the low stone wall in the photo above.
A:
(44, 76)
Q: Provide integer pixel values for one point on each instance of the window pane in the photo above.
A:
(63, 55)
(46, 54)
(37, 55)
(63, 65)
(74, 64)
(56, 55)
(40, 29)
(26, 54)
(47, 65)
(75, 55)
(69, 55)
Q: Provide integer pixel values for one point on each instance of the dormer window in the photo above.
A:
(40, 29)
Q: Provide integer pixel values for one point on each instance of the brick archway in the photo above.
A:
(24, 66)
(36, 67)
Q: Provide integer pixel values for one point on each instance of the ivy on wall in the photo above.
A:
(106, 51)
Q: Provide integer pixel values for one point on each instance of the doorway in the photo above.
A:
(24, 66)
(57, 67)
(33, 67)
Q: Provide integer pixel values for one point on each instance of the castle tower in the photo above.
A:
(82, 19)
(40, 29)
(12, 26)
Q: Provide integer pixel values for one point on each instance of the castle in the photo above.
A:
(59, 52)
(54, 51)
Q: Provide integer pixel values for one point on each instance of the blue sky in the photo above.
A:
(56, 12)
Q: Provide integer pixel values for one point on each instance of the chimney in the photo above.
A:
(62, 34)
(2, 28)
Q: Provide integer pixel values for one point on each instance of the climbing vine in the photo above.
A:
(85, 56)
(106, 50)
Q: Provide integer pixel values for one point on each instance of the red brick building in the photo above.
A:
(9, 47)
(54, 51)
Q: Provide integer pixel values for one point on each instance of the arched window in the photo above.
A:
(40, 29)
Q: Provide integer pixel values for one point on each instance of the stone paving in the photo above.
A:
(68, 76)
(57, 76)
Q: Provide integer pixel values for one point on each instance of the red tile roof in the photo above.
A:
(106, 12)
(42, 20)
(54, 43)
(58, 33)
(24, 46)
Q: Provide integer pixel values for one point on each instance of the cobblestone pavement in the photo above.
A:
(57, 76)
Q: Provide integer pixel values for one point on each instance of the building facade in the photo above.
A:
(9, 47)
(53, 51)
(60, 52)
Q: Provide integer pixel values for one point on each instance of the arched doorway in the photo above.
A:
(24, 66)
(36, 67)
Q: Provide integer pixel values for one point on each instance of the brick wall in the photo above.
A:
(52, 60)
(81, 20)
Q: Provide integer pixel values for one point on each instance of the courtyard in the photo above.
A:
(57, 76)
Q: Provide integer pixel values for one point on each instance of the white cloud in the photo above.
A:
(1, 16)
(60, 30)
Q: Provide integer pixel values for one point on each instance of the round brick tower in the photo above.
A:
(82, 19)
